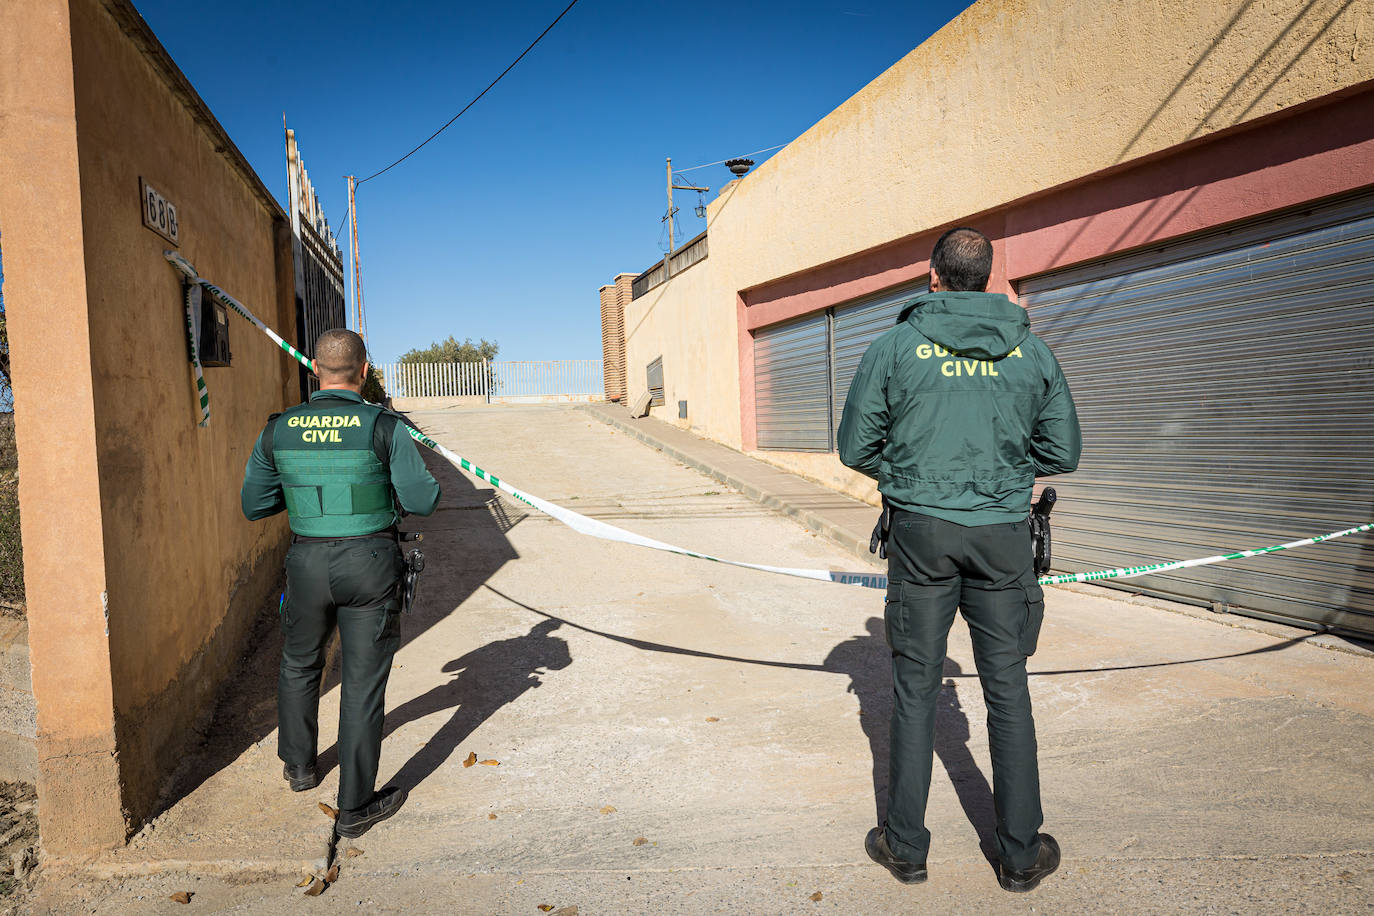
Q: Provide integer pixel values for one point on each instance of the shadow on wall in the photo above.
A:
(1308, 26)
(1278, 52)
(464, 543)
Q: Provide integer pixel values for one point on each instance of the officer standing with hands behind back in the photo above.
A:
(955, 412)
(342, 469)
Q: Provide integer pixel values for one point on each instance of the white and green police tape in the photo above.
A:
(593, 528)
(193, 293)
(1130, 572)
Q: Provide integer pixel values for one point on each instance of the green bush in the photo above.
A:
(9, 457)
(451, 351)
(373, 391)
(11, 547)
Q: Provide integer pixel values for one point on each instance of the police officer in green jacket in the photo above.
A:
(343, 469)
(955, 412)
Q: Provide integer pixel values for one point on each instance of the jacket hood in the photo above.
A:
(976, 325)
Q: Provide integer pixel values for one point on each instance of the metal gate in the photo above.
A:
(1225, 390)
(509, 382)
(319, 263)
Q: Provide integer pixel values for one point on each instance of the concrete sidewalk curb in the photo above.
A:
(813, 521)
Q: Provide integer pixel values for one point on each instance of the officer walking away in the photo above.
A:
(342, 469)
(955, 412)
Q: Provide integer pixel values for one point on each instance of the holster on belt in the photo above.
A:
(410, 579)
(1040, 529)
(877, 543)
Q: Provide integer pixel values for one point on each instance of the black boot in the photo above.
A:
(357, 821)
(301, 776)
(875, 844)
(1018, 881)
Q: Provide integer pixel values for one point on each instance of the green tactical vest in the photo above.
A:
(334, 483)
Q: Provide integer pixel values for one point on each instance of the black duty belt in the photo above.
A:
(1039, 530)
(390, 534)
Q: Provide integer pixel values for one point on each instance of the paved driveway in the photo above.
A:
(675, 736)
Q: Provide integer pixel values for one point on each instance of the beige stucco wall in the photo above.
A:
(1010, 99)
(1014, 97)
(152, 518)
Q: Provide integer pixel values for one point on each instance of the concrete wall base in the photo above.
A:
(408, 404)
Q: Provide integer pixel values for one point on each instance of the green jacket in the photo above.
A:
(339, 466)
(957, 409)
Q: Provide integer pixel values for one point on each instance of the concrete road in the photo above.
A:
(736, 723)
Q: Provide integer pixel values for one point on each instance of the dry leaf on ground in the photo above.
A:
(333, 874)
(316, 889)
(329, 812)
(305, 882)
(491, 763)
(713, 718)
(491, 817)
(639, 841)
(469, 760)
(353, 851)
(181, 897)
(545, 907)
(609, 809)
(816, 896)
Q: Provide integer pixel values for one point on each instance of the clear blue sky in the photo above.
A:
(507, 224)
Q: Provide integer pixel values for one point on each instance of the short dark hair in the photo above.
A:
(963, 259)
(340, 353)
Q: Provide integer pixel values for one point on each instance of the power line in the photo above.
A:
(340, 224)
(476, 99)
(723, 161)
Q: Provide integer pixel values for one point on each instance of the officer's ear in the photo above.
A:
(366, 368)
(315, 368)
(934, 280)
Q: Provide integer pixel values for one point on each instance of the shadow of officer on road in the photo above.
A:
(487, 678)
(867, 661)
(951, 746)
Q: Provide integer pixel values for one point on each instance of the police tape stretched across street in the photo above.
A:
(958, 532)
(594, 528)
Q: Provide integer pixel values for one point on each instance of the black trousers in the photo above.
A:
(353, 584)
(934, 568)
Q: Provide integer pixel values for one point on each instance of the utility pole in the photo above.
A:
(673, 211)
(357, 268)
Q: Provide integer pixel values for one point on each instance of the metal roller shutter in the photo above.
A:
(792, 385)
(1225, 389)
(855, 327)
(654, 379)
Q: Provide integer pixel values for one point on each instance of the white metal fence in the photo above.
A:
(505, 381)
